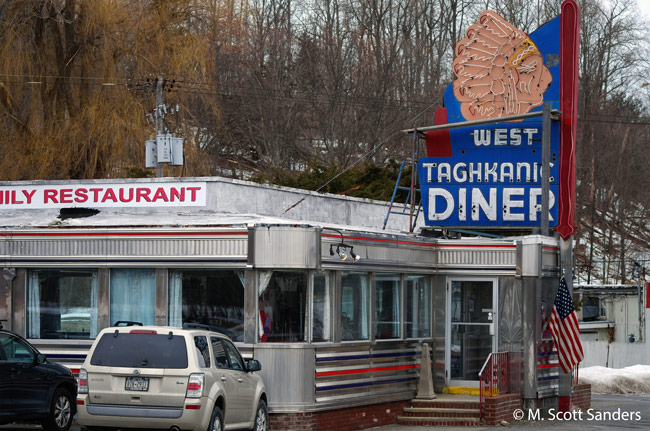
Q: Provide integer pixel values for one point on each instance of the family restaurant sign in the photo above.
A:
(98, 195)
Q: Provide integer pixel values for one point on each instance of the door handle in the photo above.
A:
(223, 378)
(240, 380)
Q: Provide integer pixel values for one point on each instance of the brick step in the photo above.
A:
(426, 421)
(442, 404)
(441, 412)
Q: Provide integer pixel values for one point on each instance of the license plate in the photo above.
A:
(137, 384)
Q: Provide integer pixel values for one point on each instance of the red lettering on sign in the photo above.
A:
(109, 194)
(28, 195)
(160, 194)
(14, 199)
(66, 196)
(193, 191)
(126, 199)
(81, 195)
(49, 194)
(142, 194)
(96, 194)
(175, 193)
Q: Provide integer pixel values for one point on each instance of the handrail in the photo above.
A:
(496, 380)
(486, 363)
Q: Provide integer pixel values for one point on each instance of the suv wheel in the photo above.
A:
(60, 413)
(216, 421)
(261, 417)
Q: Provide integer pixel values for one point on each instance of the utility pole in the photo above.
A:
(165, 147)
(159, 119)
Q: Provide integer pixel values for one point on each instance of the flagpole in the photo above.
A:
(566, 267)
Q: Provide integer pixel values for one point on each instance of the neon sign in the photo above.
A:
(488, 176)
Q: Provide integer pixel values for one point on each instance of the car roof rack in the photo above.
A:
(214, 328)
(127, 323)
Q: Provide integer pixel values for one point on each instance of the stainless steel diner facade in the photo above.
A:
(348, 305)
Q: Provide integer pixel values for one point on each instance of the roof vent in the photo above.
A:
(65, 213)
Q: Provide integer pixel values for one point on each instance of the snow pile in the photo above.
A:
(629, 380)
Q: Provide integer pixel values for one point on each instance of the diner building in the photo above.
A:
(347, 305)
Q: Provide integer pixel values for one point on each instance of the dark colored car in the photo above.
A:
(33, 388)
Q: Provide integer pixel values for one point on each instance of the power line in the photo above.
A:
(372, 150)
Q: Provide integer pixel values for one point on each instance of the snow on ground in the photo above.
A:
(629, 380)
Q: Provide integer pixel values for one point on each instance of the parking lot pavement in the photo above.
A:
(618, 412)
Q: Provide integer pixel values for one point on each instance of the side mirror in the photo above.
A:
(40, 358)
(253, 365)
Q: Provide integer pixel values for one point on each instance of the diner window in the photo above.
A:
(321, 308)
(354, 306)
(387, 306)
(418, 306)
(133, 295)
(282, 304)
(62, 304)
(209, 297)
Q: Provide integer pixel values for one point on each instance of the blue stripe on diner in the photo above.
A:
(357, 385)
(546, 353)
(372, 356)
(547, 378)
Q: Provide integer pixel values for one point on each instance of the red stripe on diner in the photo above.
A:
(120, 233)
(539, 367)
(391, 241)
(364, 370)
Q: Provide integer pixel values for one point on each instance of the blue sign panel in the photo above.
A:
(491, 176)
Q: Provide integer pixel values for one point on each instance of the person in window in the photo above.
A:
(265, 322)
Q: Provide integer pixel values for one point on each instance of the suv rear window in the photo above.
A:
(140, 351)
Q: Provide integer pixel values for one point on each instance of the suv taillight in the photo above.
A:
(195, 385)
(82, 385)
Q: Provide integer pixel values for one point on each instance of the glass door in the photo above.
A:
(471, 328)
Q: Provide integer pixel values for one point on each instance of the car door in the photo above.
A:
(28, 382)
(6, 409)
(245, 382)
(228, 378)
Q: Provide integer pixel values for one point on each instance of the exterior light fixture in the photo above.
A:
(344, 251)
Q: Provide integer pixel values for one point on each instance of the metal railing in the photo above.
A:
(494, 376)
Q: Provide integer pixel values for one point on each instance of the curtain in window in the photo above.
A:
(365, 310)
(264, 278)
(321, 308)
(33, 306)
(176, 298)
(94, 304)
(133, 295)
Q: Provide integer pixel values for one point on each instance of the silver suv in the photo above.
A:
(169, 378)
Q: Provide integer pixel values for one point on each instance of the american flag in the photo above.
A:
(565, 330)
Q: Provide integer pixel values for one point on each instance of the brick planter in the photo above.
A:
(500, 408)
(349, 419)
(581, 396)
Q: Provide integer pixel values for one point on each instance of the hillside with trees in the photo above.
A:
(304, 93)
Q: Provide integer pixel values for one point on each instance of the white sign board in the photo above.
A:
(103, 195)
